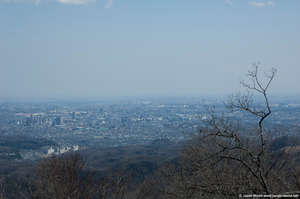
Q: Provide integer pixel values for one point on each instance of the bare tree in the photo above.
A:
(12, 187)
(227, 159)
(244, 102)
(62, 177)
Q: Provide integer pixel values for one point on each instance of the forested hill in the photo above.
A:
(146, 157)
(13, 144)
(157, 152)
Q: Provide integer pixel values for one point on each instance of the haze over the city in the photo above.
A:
(86, 48)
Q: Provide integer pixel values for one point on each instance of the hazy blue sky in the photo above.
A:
(145, 47)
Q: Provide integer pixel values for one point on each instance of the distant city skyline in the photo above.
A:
(128, 122)
(93, 48)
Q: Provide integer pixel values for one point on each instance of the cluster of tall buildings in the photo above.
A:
(34, 118)
(58, 121)
(37, 119)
